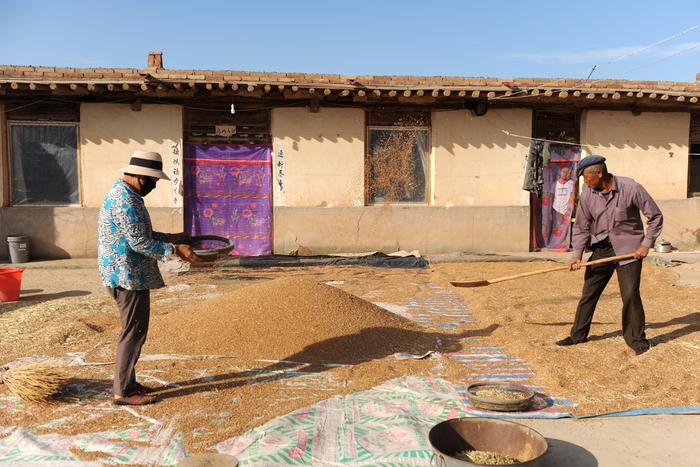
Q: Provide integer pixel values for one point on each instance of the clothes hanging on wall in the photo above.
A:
(537, 158)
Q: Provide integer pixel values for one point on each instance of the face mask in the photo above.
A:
(147, 185)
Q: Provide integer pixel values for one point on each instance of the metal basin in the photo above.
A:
(516, 405)
(485, 434)
(210, 254)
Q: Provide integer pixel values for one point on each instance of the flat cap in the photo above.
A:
(587, 162)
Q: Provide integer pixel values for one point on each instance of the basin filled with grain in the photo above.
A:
(482, 441)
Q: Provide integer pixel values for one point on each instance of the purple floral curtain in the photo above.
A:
(228, 189)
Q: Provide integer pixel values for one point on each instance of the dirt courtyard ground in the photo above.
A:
(65, 310)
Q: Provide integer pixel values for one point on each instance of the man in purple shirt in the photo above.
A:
(608, 222)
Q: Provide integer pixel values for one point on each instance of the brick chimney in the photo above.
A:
(155, 59)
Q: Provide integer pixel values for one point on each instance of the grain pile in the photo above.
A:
(500, 394)
(291, 318)
(485, 458)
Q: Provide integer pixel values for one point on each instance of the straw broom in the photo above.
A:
(34, 383)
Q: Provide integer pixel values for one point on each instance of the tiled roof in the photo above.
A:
(35, 77)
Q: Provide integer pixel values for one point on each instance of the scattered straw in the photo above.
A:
(604, 374)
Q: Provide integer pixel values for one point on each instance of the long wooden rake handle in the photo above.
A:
(541, 271)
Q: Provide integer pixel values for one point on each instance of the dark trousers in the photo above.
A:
(134, 311)
(596, 278)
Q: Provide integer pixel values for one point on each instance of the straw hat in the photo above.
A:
(146, 163)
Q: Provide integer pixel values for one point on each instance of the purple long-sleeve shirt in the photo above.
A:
(616, 218)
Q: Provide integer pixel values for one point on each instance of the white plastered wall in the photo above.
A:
(109, 134)
(318, 157)
(475, 163)
(651, 148)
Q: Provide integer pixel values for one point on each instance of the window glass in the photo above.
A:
(397, 165)
(44, 162)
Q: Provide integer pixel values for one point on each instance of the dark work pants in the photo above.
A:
(134, 311)
(596, 278)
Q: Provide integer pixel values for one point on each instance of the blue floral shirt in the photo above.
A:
(127, 246)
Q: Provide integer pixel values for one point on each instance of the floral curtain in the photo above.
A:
(228, 191)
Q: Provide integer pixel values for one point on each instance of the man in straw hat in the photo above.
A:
(609, 224)
(128, 249)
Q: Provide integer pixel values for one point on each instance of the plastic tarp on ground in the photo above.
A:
(150, 444)
(376, 259)
(386, 425)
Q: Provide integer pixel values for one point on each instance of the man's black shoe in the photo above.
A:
(569, 341)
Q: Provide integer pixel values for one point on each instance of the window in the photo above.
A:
(557, 126)
(396, 169)
(44, 163)
(694, 157)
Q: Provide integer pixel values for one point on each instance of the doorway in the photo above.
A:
(228, 177)
(552, 213)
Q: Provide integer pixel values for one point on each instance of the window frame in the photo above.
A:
(10, 124)
(428, 165)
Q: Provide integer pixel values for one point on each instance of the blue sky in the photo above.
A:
(458, 38)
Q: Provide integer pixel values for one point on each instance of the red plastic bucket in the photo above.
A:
(10, 284)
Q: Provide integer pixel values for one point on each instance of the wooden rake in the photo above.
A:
(483, 283)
